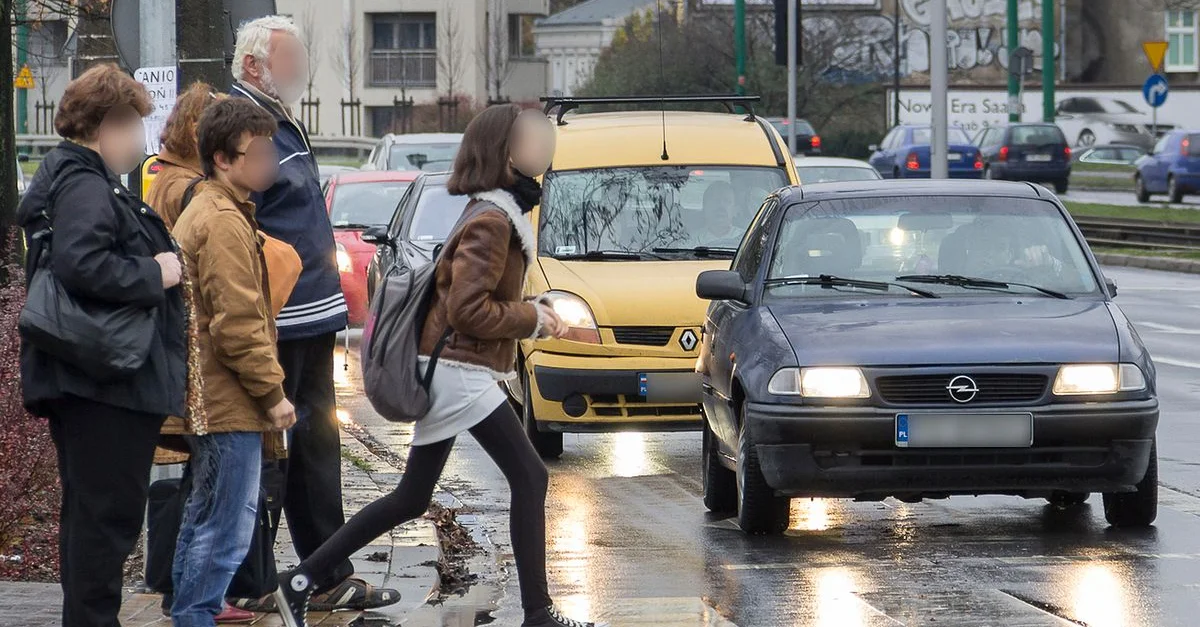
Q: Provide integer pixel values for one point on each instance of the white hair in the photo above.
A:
(254, 39)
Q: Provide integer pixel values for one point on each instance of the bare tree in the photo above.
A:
(308, 37)
(492, 53)
(347, 56)
(450, 61)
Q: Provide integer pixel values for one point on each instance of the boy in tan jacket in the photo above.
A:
(243, 381)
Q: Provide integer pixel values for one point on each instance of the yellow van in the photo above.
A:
(636, 204)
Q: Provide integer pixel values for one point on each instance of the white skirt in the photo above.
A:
(460, 397)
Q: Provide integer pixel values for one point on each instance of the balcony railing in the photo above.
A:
(402, 68)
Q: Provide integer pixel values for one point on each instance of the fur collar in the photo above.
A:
(520, 221)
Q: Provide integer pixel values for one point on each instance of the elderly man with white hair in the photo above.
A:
(269, 69)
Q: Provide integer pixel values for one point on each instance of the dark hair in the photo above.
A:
(179, 133)
(482, 160)
(223, 125)
(90, 97)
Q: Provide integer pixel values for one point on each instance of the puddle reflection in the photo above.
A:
(810, 515)
(1099, 595)
(837, 603)
(628, 454)
(341, 373)
(569, 544)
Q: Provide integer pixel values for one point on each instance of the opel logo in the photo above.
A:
(688, 340)
(962, 389)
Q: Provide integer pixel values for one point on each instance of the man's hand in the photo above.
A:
(282, 415)
(172, 270)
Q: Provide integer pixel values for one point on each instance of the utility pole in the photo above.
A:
(1048, 61)
(791, 79)
(200, 35)
(1014, 81)
(22, 15)
(739, 43)
(938, 154)
(896, 62)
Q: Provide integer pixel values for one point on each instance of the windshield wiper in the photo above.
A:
(600, 255)
(352, 225)
(829, 280)
(977, 283)
(723, 252)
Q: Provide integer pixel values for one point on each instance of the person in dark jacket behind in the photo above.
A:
(107, 246)
(269, 70)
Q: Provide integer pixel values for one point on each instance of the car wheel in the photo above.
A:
(1063, 500)
(720, 483)
(895, 173)
(760, 510)
(1086, 139)
(1060, 187)
(549, 444)
(1139, 508)
(1174, 192)
(1139, 187)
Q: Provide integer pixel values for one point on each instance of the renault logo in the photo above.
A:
(962, 389)
(688, 340)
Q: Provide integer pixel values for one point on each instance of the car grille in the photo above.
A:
(931, 389)
(623, 405)
(644, 336)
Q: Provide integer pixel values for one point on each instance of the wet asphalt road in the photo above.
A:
(630, 542)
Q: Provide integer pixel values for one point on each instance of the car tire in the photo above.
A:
(548, 444)
(720, 483)
(760, 511)
(1139, 189)
(1086, 139)
(1061, 186)
(1139, 508)
(1064, 500)
(1174, 192)
(895, 173)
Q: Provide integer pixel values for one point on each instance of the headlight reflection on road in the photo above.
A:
(341, 374)
(810, 515)
(569, 540)
(837, 603)
(1099, 596)
(629, 455)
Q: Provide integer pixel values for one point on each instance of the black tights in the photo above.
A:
(504, 439)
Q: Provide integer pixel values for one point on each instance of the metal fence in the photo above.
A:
(402, 68)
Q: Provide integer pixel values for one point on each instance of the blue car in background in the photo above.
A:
(904, 154)
(1172, 168)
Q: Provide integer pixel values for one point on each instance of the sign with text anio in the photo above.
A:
(161, 82)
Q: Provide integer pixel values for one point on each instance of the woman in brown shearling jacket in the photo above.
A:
(477, 300)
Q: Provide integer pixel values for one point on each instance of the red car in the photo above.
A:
(357, 201)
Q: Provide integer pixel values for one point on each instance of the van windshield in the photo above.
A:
(651, 212)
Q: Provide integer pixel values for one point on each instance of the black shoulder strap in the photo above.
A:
(189, 192)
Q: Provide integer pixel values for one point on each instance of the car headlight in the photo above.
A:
(343, 259)
(575, 314)
(819, 383)
(1077, 379)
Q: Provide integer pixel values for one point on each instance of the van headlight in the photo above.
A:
(344, 263)
(575, 313)
(1080, 379)
(819, 383)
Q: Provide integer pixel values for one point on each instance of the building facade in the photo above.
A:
(571, 41)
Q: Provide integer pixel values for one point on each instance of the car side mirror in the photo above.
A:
(367, 167)
(873, 147)
(377, 235)
(22, 157)
(720, 285)
(1112, 287)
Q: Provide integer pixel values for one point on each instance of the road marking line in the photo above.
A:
(1169, 361)
(1166, 328)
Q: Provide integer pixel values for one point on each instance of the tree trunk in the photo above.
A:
(9, 250)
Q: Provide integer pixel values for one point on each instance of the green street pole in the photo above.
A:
(1048, 64)
(739, 43)
(1014, 82)
(22, 59)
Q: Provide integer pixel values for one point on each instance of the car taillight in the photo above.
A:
(1004, 153)
(1067, 152)
(1183, 147)
(978, 161)
(816, 141)
(912, 163)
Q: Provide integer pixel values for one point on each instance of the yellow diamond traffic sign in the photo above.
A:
(1155, 51)
(24, 78)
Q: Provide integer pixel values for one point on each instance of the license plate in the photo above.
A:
(1037, 157)
(954, 156)
(964, 430)
(669, 387)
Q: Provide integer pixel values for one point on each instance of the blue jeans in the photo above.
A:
(218, 523)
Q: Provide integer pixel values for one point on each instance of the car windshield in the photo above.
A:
(436, 213)
(1037, 135)
(954, 135)
(1017, 241)
(832, 173)
(651, 211)
(365, 204)
(1118, 106)
(427, 157)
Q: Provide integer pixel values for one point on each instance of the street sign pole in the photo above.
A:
(1048, 61)
(791, 78)
(739, 43)
(939, 168)
(21, 11)
(1014, 97)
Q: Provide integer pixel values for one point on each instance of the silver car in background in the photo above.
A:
(1092, 120)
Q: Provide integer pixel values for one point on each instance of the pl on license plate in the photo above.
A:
(1037, 157)
(936, 430)
(669, 387)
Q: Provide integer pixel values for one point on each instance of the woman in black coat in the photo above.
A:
(110, 247)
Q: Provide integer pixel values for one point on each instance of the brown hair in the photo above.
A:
(482, 160)
(223, 125)
(179, 134)
(92, 96)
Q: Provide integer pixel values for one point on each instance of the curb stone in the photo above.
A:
(1191, 266)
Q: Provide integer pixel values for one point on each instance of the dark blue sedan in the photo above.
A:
(921, 340)
(1172, 168)
(904, 153)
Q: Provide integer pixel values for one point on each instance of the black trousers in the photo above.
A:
(312, 498)
(104, 459)
(503, 438)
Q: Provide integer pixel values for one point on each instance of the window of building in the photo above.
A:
(1181, 41)
(403, 31)
(47, 40)
(403, 50)
(520, 36)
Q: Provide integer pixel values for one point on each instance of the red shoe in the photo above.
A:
(232, 614)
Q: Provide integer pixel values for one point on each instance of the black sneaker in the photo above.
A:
(292, 595)
(550, 617)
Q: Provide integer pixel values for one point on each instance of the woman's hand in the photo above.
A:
(552, 325)
(172, 270)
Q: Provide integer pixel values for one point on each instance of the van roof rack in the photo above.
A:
(567, 103)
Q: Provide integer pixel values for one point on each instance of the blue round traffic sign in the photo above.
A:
(1154, 90)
